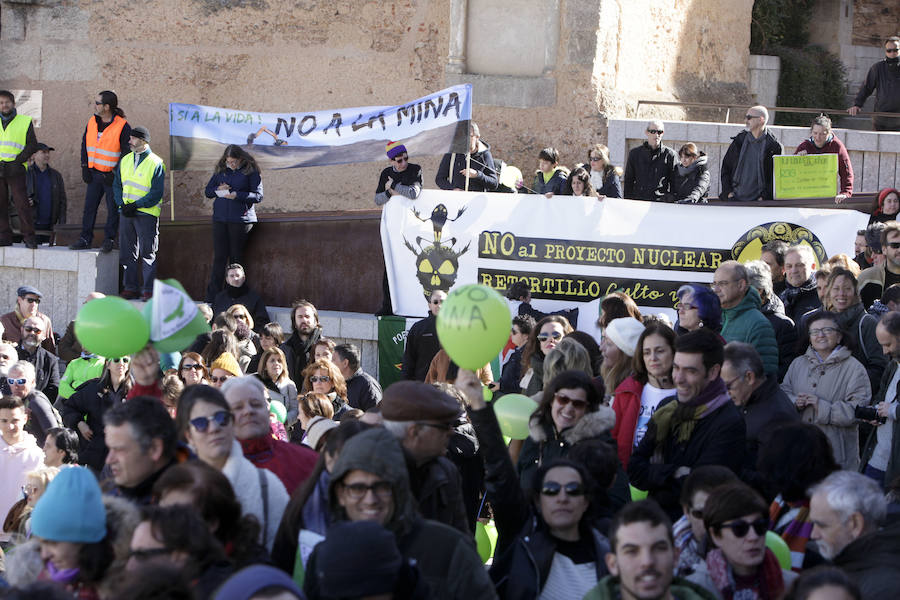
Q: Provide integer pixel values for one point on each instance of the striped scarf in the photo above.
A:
(791, 521)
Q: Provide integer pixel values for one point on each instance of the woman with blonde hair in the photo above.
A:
(606, 178)
(273, 373)
(310, 406)
(323, 377)
(192, 369)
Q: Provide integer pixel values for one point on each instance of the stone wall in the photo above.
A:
(874, 20)
(598, 58)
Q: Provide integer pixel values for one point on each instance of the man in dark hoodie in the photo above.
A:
(846, 510)
(883, 76)
(236, 291)
(369, 482)
(473, 172)
(747, 170)
(306, 332)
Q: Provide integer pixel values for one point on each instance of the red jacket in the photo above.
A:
(627, 406)
(835, 146)
(292, 463)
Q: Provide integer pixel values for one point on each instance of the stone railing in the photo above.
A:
(873, 154)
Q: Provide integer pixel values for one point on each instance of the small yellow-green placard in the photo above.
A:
(810, 176)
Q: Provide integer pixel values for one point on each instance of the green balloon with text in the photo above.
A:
(473, 325)
(111, 327)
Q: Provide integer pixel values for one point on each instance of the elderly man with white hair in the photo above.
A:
(649, 166)
(847, 510)
(747, 167)
(292, 463)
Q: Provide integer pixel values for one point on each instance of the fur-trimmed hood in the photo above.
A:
(591, 425)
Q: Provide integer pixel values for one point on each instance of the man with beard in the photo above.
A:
(17, 143)
(28, 302)
(846, 510)
(46, 365)
(306, 332)
(883, 76)
(8, 357)
(422, 341)
(237, 291)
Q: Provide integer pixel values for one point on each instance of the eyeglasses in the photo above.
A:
(12, 381)
(192, 367)
(221, 379)
(751, 117)
(822, 331)
(445, 427)
(683, 306)
(241, 317)
(32, 300)
(696, 513)
(98, 103)
(318, 378)
(222, 418)
(358, 491)
(29, 329)
(123, 359)
(892, 50)
(741, 528)
(552, 488)
(400, 159)
(728, 385)
(555, 336)
(437, 302)
(577, 403)
(716, 284)
(596, 159)
(893, 245)
(145, 553)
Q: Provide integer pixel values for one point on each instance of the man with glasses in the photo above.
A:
(401, 177)
(28, 302)
(422, 341)
(46, 365)
(422, 418)
(747, 171)
(883, 79)
(650, 166)
(702, 427)
(742, 320)
(874, 280)
(41, 415)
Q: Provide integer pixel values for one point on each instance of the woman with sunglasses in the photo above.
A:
(826, 384)
(83, 411)
(739, 565)
(273, 372)
(545, 336)
(323, 377)
(205, 422)
(605, 176)
(192, 369)
(546, 545)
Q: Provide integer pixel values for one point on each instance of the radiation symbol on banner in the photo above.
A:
(749, 246)
(436, 263)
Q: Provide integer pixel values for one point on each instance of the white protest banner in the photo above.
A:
(574, 251)
(433, 124)
(173, 309)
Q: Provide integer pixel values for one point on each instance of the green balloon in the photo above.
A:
(487, 394)
(637, 494)
(485, 539)
(111, 327)
(185, 336)
(513, 412)
(780, 549)
(278, 409)
(473, 325)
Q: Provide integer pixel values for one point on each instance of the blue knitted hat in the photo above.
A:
(71, 509)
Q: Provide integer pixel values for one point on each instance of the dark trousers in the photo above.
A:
(229, 240)
(96, 190)
(138, 238)
(16, 186)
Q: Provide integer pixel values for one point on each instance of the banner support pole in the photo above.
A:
(171, 195)
(468, 153)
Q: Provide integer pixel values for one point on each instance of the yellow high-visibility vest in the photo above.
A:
(136, 180)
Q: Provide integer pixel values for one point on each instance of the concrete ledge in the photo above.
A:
(512, 92)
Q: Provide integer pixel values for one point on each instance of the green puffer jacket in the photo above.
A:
(745, 323)
(608, 589)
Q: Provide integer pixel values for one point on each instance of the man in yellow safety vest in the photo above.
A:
(138, 190)
(17, 143)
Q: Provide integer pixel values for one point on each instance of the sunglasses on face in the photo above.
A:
(659, 131)
(400, 159)
(893, 245)
(318, 378)
(123, 359)
(32, 300)
(552, 488)
(192, 367)
(555, 336)
(12, 381)
(696, 513)
(29, 329)
(892, 50)
(577, 403)
(222, 418)
(750, 117)
(741, 528)
(221, 379)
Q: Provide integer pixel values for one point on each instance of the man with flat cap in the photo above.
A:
(138, 189)
(422, 418)
(28, 301)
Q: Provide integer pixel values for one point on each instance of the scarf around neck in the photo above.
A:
(767, 585)
(680, 418)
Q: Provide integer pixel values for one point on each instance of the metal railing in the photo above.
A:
(788, 109)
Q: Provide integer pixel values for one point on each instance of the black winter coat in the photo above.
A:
(799, 301)
(718, 439)
(691, 185)
(766, 407)
(296, 353)
(884, 77)
(448, 177)
(729, 164)
(785, 333)
(245, 295)
(871, 561)
(89, 403)
(437, 487)
(648, 171)
(421, 346)
(46, 370)
(58, 199)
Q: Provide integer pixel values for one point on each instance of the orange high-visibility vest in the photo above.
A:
(103, 149)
